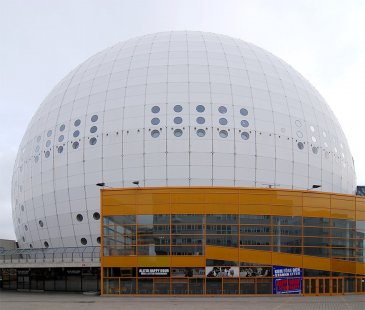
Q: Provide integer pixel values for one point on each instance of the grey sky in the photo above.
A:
(41, 41)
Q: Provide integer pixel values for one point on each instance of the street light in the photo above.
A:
(136, 183)
(314, 186)
(102, 184)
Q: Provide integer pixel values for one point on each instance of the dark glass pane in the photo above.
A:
(221, 229)
(230, 286)
(287, 230)
(316, 221)
(187, 218)
(153, 250)
(264, 286)
(161, 286)
(316, 251)
(343, 252)
(153, 229)
(316, 273)
(154, 239)
(119, 250)
(284, 249)
(218, 262)
(227, 240)
(187, 250)
(120, 229)
(349, 224)
(187, 240)
(255, 230)
(254, 219)
(127, 286)
(196, 286)
(255, 240)
(187, 229)
(343, 233)
(316, 231)
(118, 240)
(111, 286)
(222, 218)
(257, 247)
(287, 220)
(287, 241)
(247, 286)
(308, 241)
(145, 286)
(179, 286)
(120, 219)
(349, 243)
(214, 286)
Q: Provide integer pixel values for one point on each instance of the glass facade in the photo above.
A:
(179, 243)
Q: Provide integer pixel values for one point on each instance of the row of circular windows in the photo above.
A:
(199, 108)
(83, 241)
(200, 133)
(200, 120)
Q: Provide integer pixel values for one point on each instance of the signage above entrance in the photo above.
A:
(154, 272)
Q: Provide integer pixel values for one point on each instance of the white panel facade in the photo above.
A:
(171, 109)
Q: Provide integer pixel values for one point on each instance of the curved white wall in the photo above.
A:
(174, 108)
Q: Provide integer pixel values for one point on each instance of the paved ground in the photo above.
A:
(52, 301)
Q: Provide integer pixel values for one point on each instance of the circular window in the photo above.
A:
(223, 121)
(94, 118)
(48, 143)
(300, 145)
(93, 129)
(75, 145)
(62, 127)
(200, 120)
(155, 109)
(155, 133)
(38, 139)
(47, 154)
(244, 112)
(315, 150)
(178, 120)
(298, 123)
(60, 138)
(155, 121)
(77, 123)
(79, 217)
(60, 149)
(37, 149)
(223, 134)
(299, 134)
(200, 132)
(46, 244)
(83, 241)
(314, 139)
(178, 132)
(22, 207)
(76, 133)
(96, 216)
(31, 246)
(40, 223)
(49, 133)
(200, 108)
(93, 141)
(36, 159)
(311, 128)
(222, 109)
(98, 240)
(26, 227)
(245, 123)
(178, 108)
(245, 135)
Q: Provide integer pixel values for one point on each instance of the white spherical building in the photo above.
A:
(171, 109)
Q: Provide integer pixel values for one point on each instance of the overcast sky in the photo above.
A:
(41, 41)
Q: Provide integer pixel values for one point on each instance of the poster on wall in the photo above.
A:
(287, 280)
(154, 272)
(218, 272)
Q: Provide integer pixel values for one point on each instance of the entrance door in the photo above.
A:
(323, 286)
(360, 285)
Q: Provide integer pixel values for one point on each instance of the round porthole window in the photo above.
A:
(200, 108)
(77, 123)
(245, 135)
(178, 108)
(49, 133)
(22, 207)
(94, 118)
(299, 134)
(96, 216)
(223, 121)
(76, 133)
(75, 145)
(36, 159)
(31, 246)
(60, 138)
(60, 149)
(93, 141)
(200, 120)
(47, 154)
(244, 112)
(93, 129)
(300, 145)
(83, 241)
(26, 227)
(155, 121)
(155, 109)
(98, 240)
(222, 109)
(46, 244)
(178, 120)
(200, 132)
(40, 222)
(245, 123)
(79, 217)
(37, 149)
(48, 143)
(62, 127)
(178, 132)
(315, 150)
(223, 134)
(298, 123)
(155, 133)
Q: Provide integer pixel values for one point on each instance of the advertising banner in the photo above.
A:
(218, 272)
(154, 272)
(287, 280)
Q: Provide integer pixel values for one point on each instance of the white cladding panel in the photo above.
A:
(171, 109)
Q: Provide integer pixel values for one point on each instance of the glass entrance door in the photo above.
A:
(323, 286)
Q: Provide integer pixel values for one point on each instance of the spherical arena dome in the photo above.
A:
(171, 109)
